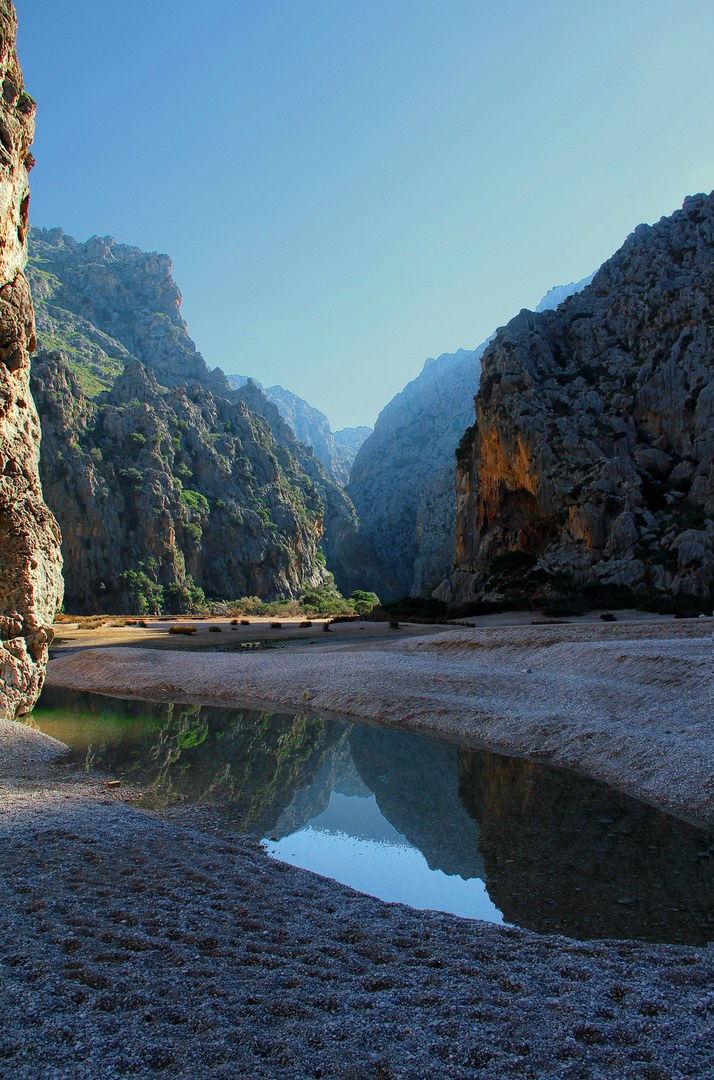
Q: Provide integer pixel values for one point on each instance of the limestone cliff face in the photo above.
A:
(30, 560)
(164, 478)
(161, 492)
(401, 482)
(594, 437)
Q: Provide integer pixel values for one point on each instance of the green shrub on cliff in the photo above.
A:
(195, 501)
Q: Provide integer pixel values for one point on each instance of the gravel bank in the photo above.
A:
(137, 947)
(630, 704)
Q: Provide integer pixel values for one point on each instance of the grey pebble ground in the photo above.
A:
(135, 945)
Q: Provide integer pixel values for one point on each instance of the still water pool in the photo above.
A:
(408, 818)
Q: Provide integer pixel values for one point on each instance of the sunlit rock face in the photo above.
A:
(165, 478)
(335, 449)
(563, 854)
(593, 443)
(30, 560)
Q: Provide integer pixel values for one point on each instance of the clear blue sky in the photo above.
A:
(349, 186)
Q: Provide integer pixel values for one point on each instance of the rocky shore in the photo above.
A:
(135, 946)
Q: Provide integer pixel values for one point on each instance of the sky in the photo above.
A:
(347, 187)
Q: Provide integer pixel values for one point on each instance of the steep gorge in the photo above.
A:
(30, 560)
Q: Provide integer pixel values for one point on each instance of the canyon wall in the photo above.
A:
(592, 451)
(335, 449)
(30, 560)
(162, 492)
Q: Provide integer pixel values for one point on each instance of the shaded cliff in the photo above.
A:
(401, 482)
(160, 492)
(30, 560)
(593, 445)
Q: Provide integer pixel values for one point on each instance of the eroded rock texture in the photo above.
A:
(30, 561)
(594, 437)
(335, 449)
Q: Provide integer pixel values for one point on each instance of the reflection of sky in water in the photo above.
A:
(353, 843)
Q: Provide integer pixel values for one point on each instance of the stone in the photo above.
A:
(31, 585)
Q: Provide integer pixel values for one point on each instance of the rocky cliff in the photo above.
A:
(161, 492)
(30, 561)
(402, 480)
(102, 304)
(336, 450)
(593, 446)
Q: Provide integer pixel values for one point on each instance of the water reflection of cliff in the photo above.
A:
(415, 781)
(250, 763)
(564, 854)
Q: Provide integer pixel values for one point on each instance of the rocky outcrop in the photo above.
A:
(166, 480)
(593, 446)
(161, 492)
(336, 450)
(30, 561)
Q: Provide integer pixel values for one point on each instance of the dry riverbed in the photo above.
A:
(144, 945)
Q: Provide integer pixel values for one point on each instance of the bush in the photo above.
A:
(139, 594)
(132, 477)
(195, 501)
(325, 600)
(183, 629)
(184, 597)
(215, 630)
(363, 602)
